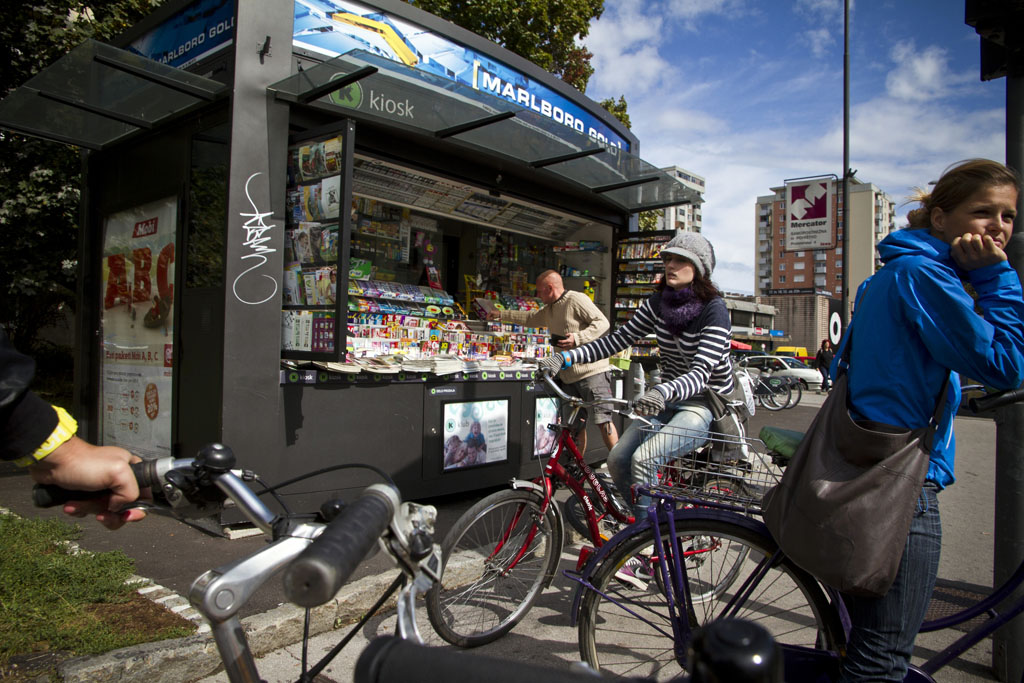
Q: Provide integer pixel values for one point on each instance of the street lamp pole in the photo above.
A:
(844, 310)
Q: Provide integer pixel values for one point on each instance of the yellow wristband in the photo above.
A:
(65, 429)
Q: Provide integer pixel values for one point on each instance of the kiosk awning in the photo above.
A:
(96, 95)
(359, 84)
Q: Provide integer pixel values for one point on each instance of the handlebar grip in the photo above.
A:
(51, 495)
(390, 659)
(993, 401)
(326, 564)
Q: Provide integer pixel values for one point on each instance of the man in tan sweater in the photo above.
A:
(575, 318)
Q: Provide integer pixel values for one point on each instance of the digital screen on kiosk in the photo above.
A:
(475, 433)
(544, 439)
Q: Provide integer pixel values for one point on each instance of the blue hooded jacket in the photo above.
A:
(915, 322)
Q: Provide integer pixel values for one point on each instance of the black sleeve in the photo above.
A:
(26, 420)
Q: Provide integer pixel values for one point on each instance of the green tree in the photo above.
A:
(542, 31)
(617, 108)
(40, 180)
(648, 220)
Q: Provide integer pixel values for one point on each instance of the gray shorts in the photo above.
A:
(591, 388)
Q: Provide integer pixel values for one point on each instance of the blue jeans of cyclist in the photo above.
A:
(636, 456)
(883, 629)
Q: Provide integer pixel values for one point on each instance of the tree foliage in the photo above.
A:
(40, 180)
(543, 31)
(618, 109)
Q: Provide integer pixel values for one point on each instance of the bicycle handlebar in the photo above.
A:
(51, 495)
(391, 660)
(325, 565)
(997, 400)
(619, 405)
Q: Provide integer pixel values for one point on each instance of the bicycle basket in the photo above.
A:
(708, 467)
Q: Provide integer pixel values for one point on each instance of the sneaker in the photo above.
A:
(636, 572)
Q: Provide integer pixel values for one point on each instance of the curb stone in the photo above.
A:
(195, 657)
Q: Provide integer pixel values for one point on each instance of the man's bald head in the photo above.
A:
(550, 286)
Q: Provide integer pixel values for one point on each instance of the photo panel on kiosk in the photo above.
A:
(543, 409)
(472, 429)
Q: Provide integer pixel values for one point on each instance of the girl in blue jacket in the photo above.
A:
(913, 325)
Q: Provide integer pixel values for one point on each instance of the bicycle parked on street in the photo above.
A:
(714, 559)
(504, 551)
(774, 393)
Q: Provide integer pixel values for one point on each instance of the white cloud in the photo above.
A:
(625, 47)
(819, 40)
(748, 115)
(922, 75)
(827, 9)
(690, 10)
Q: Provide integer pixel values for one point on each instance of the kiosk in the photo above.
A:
(244, 161)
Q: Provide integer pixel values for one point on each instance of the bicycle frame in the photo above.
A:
(983, 630)
(555, 473)
(673, 574)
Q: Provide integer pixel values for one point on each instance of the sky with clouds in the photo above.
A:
(748, 93)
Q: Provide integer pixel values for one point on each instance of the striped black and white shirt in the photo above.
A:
(690, 362)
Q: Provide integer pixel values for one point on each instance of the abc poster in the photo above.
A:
(137, 328)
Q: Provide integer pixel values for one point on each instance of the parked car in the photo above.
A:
(783, 366)
(793, 351)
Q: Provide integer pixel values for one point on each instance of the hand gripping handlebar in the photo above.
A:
(325, 565)
(51, 495)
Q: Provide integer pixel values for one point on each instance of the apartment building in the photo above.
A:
(685, 216)
(805, 285)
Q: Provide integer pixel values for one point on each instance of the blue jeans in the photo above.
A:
(826, 379)
(883, 629)
(635, 458)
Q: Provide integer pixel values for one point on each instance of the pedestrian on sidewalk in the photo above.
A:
(823, 361)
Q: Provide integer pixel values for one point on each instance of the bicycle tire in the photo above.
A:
(797, 392)
(477, 601)
(639, 642)
(778, 398)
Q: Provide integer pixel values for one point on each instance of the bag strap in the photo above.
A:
(844, 366)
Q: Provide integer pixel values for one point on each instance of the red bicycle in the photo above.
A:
(503, 551)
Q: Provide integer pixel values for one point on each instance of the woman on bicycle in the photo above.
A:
(688, 315)
(912, 326)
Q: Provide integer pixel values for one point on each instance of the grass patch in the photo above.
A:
(55, 598)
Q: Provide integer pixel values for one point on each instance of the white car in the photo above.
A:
(783, 366)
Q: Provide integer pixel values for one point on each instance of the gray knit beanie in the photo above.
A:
(695, 248)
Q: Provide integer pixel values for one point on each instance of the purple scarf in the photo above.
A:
(679, 308)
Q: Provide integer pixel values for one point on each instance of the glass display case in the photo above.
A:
(316, 230)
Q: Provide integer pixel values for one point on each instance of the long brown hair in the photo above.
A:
(956, 185)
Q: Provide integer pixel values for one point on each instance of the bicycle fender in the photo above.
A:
(554, 509)
(586, 573)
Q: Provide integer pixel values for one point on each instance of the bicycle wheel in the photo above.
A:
(778, 398)
(627, 632)
(497, 558)
(796, 395)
